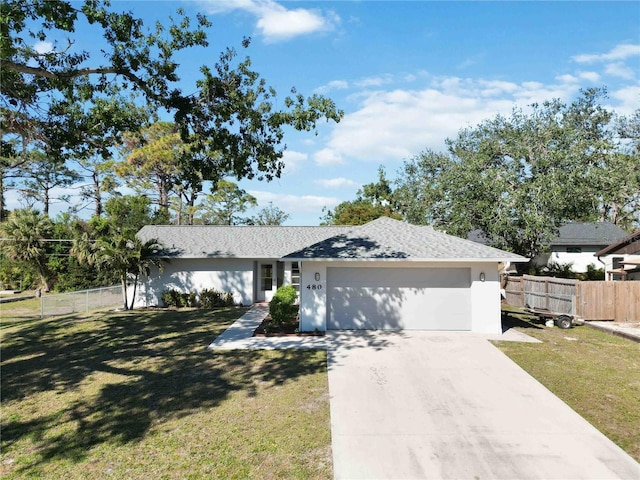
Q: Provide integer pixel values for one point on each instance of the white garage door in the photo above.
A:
(399, 298)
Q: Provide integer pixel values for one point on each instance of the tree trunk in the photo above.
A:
(133, 295)
(97, 194)
(1, 195)
(123, 280)
(46, 202)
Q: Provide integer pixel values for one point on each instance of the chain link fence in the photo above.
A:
(81, 301)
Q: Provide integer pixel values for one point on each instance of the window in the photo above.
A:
(295, 275)
(616, 262)
(574, 249)
(266, 277)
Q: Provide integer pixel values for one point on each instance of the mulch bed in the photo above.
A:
(288, 329)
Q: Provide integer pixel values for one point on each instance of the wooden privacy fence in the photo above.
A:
(619, 301)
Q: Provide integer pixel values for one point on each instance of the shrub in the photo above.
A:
(593, 273)
(282, 307)
(170, 298)
(174, 298)
(210, 298)
(190, 299)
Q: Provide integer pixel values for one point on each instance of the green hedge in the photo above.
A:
(208, 298)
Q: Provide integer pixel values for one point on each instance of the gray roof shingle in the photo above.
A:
(388, 239)
(574, 233)
(221, 241)
(588, 233)
(382, 239)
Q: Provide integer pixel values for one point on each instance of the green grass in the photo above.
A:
(595, 373)
(17, 311)
(137, 395)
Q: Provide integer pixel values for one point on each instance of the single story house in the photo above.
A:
(386, 274)
(622, 258)
(577, 242)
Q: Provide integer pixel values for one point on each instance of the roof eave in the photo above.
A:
(431, 260)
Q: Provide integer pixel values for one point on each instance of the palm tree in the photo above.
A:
(126, 255)
(24, 239)
(144, 256)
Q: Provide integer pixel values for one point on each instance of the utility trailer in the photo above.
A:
(546, 298)
(560, 320)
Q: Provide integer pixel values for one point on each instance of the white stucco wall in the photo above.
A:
(485, 296)
(194, 275)
(608, 260)
(579, 261)
(313, 302)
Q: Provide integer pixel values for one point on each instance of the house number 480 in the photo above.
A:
(314, 287)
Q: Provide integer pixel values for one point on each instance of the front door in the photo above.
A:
(266, 282)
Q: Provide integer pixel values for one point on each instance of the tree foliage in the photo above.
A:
(24, 239)
(111, 244)
(59, 98)
(43, 176)
(225, 204)
(373, 201)
(517, 179)
(269, 215)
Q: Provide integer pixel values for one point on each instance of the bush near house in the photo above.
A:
(282, 306)
(207, 298)
(211, 298)
(565, 270)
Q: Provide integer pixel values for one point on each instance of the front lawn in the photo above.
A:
(137, 395)
(595, 373)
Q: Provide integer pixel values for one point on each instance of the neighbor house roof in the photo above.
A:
(222, 241)
(588, 233)
(390, 239)
(574, 233)
(629, 244)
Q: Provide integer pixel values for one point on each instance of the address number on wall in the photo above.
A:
(314, 286)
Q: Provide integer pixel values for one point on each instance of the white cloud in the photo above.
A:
(274, 21)
(376, 81)
(590, 76)
(393, 125)
(294, 204)
(43, 47)
(567, 78)
(628, 99)
(333, 85)
(619, 52)
(282, 24)
(339, 182)
(328, 156)
(293, 160)
(619, 69)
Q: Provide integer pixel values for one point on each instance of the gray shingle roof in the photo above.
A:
(386, 238)
(588, 233)
(624, 242)
(383, 239)
(202, 241)
(574, 233)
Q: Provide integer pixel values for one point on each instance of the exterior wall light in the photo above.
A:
(317, 276)
(482, 276)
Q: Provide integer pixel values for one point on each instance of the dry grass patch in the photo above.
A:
(595, 373)
(138, 395)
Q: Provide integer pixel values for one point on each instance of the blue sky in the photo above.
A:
(409, 74)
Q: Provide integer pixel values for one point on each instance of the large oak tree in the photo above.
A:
(57, 97)
(518, 178)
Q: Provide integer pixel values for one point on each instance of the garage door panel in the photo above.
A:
(400, 277)
(362, 298)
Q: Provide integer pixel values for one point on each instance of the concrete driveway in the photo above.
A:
(438, 405)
